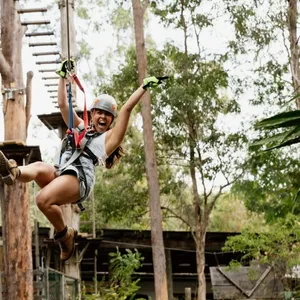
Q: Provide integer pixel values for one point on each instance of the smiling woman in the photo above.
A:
(73, 179)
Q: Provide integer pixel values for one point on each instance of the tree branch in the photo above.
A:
(177, 216)
(145, 5)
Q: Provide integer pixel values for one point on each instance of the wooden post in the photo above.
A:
(71, 212)
(169, 273)
(16, 229)
(188, 293)
(159, 261)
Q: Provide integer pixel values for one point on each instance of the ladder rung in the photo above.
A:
(45, 53)
(42, 44)
(51, 84)
(74, 106)
(31, 10)
(50, 78)
(47, 70)
(39, 33)
(25, 23)
(48, 62)
(52, 91)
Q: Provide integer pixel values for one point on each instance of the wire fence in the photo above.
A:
(49, 284)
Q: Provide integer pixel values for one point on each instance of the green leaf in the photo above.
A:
(285, 119)
(268, 140)
(286, 143)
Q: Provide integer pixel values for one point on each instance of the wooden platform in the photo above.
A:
(22, 154)
(54, 120)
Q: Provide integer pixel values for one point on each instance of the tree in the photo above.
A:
(186, 122)
(16, 230)
(159, 260)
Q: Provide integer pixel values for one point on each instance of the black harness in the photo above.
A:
(69, 145)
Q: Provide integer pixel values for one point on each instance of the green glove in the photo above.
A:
(151, 82)
(66, 65)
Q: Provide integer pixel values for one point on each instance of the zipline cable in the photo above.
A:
(68, 35)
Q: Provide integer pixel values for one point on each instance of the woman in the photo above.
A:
(72, 183)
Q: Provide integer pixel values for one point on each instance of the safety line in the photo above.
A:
(167, 248)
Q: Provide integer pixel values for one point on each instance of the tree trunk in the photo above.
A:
(200, 235)
(159, 262)
(69, 49)
(17, 240)
(15, 199)
(169, 273)
(294, 48)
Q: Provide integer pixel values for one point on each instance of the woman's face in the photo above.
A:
(101, 119)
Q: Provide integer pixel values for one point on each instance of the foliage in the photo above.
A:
(271, 184)
(276, 245)
(121, 285)
(261, 39)
(289, 121)
(231, 215)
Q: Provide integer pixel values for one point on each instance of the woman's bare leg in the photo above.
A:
(42, 173)
(55, 191)
(62, 190)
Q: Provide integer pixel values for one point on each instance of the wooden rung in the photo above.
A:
(51, 84)
(48, 62)
(26, 23)
(42, 44)
(47, 70)
(74, 106)
(45, 53)
(39, 33)
(31, 10)
(54, 101)
(50, 78)
(52, 91)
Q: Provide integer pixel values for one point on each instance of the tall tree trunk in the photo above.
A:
(200, 235)
(292, 17)
(159, 261)
(69, 48)
(200, 217)
(15, 199)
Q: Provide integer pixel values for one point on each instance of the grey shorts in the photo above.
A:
(86, 180)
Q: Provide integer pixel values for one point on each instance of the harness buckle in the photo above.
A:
(81, 207)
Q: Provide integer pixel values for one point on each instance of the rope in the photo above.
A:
(137, 245)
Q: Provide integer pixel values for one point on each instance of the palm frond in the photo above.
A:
(285, 119)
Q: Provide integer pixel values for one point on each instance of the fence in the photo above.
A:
(49, 284)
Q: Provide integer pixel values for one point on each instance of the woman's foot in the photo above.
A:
(9, 170)
(67, 244)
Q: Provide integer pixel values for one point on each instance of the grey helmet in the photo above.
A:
(105, 102)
